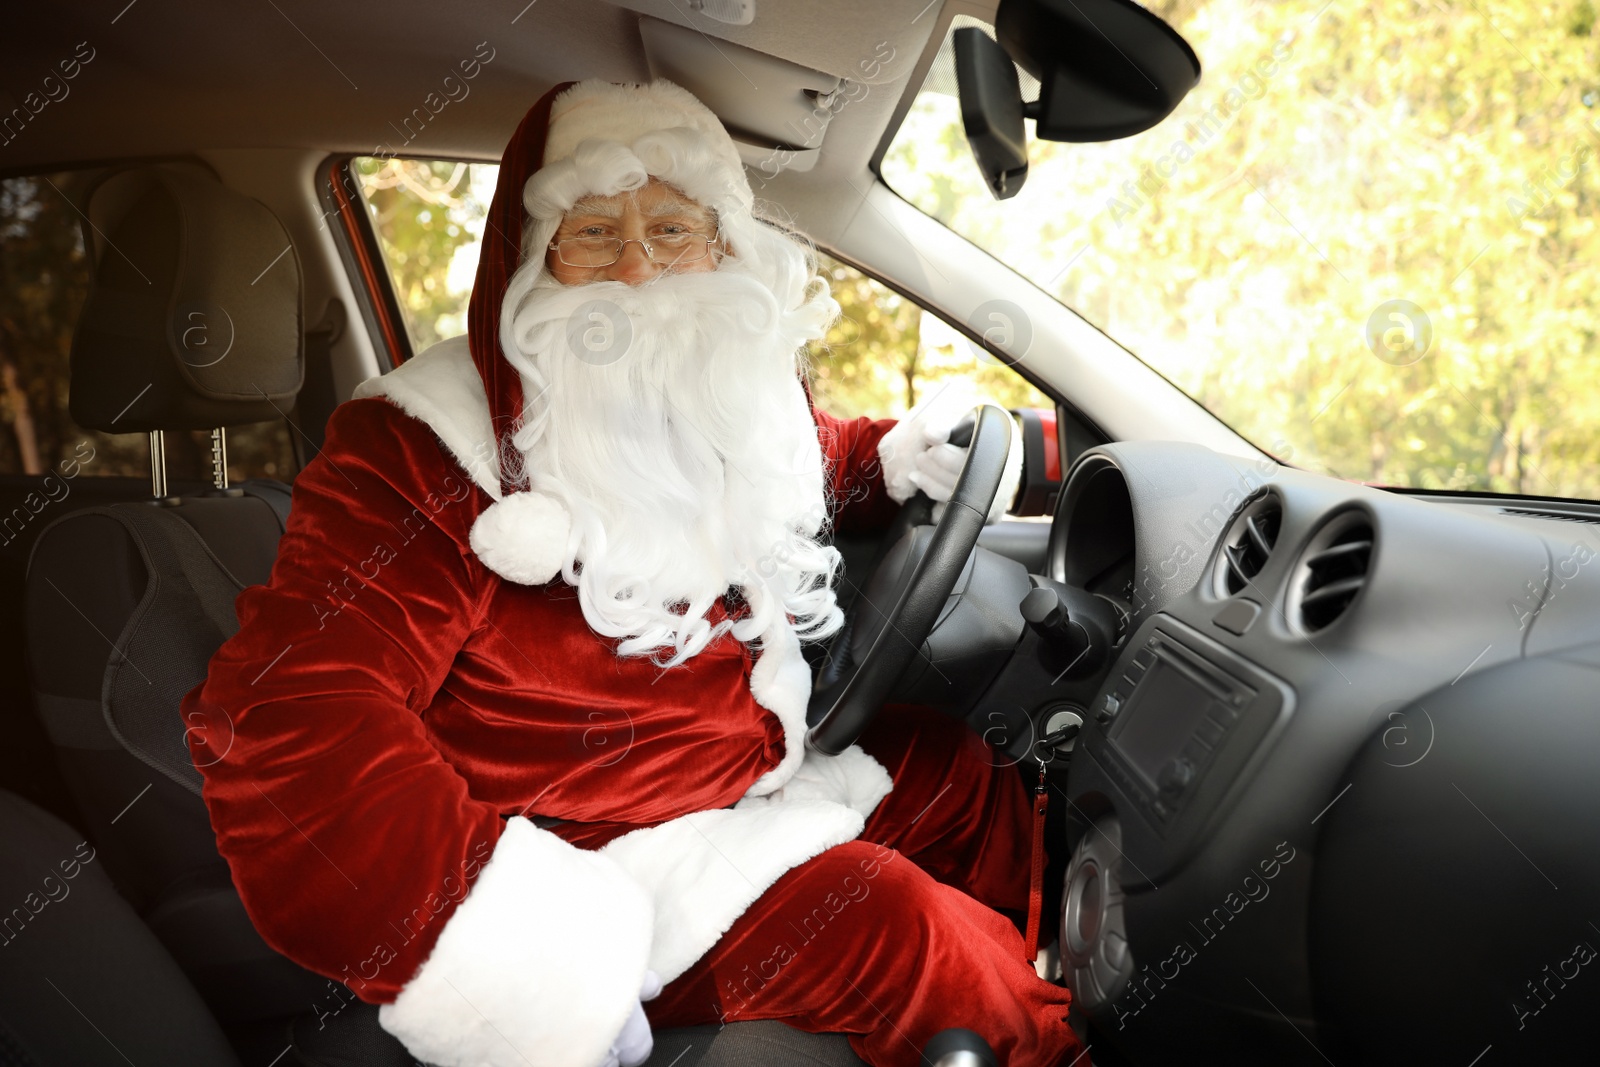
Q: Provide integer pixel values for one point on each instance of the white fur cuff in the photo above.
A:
(704, 870)
(541, 963)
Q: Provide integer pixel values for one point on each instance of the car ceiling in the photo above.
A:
(176, 77)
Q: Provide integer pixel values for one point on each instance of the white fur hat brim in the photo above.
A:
(606, 138)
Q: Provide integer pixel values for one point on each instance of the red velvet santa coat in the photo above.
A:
(391, 711)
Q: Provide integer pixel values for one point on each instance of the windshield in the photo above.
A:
(1366, 240)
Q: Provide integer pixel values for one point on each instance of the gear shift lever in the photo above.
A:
(958, 1048)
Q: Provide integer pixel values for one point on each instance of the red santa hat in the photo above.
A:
(566, 146)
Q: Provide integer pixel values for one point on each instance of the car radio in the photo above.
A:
(1170, 716)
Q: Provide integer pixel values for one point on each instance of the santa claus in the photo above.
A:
(519, 719)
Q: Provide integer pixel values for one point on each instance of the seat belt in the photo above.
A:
(184, 616)
(276, 494)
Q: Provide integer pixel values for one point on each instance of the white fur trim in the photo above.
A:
(781, 682)
(602, 110)
(523, 537)
(541, 963)
(707, 868)
(441, 386)
(851, 778)
(703, 870)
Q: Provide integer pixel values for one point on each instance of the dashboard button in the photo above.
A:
(1176, 777)
(1210, 731)
(1237, 616)
(1108, 709)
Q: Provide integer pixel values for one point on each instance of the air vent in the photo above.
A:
(1563, 516)
(1331, 572)
(1248, 543)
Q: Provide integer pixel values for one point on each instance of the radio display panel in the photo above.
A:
(1163, 712)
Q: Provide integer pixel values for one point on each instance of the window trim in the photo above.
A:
(363, 260)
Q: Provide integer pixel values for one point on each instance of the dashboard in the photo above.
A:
(1327, 722)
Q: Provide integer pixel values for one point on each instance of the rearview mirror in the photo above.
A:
(1107, 69)
(991, 110)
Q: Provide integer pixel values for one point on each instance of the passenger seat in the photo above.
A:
(193, 322)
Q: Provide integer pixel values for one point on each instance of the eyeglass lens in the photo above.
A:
(663, 250)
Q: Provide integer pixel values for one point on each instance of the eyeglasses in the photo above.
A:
(664, 250)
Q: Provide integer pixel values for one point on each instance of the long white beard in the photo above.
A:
(671, 422)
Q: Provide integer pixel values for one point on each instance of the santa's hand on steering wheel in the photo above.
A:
(917, 453)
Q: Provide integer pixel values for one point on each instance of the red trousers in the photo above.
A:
(893, 937)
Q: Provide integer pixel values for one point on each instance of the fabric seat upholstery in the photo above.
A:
(74, 950)
(183, 241)
(351, 1037)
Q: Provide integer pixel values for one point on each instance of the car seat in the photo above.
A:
(82, 981)
(181, 330)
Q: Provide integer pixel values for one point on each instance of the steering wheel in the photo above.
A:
(840, 711)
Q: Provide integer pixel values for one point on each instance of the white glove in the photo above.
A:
(634, 1044)
(924, 426)
(916, 453)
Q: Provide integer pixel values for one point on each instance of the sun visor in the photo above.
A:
(777, 112)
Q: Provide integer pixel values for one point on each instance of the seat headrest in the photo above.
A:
(193, 319)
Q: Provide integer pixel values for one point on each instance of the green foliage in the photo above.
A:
(429, 217)
(867, 364)
(46, 279)
(1332, 159)
(885, 352)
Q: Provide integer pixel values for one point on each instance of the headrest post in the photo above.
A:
(219, 457)
(158, 464)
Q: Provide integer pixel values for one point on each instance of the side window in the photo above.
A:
(44, 279)
(429, 217)
(885, 354)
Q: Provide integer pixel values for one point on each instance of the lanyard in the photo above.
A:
(1044, 751)
(1041, 804)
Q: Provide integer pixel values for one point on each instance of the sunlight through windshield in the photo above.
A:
(1365, 240)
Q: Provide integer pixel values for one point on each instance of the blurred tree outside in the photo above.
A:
(429, 216)
(47, 277)
(1332, 161)
(1334, 164)
(885, 352)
